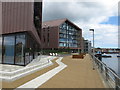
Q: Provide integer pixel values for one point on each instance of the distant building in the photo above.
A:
(61, 34)
(86, 46)
(21, 31)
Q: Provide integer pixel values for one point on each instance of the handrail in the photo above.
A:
(107, 67)
(108, 73)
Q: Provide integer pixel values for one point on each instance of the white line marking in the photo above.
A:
(35, 83)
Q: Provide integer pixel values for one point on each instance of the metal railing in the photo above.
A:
(110, 77)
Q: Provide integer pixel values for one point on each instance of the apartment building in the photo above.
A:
(61, 34)
(86, 46)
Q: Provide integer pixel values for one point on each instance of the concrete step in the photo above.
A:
(36, 65)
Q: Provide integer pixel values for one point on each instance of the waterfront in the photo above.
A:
(113, 63)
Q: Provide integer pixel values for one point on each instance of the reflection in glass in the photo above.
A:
(0, 49)
(61, 44)
(20, 44)
(8, 49)
(27, 58)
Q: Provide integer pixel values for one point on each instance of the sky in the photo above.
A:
(100, 15)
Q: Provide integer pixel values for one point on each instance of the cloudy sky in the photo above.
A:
(102, 15)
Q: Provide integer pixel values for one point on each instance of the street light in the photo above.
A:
(93, 48)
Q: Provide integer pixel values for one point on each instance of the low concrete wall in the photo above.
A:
(14, 75)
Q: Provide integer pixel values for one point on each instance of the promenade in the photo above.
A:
(78, 73)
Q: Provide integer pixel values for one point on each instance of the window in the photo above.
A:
(61, 44)
(62, 35)
(37, 8)
(20, 44)
(17, 49)
(0, 49)
(70, 40)
(74, 45)
(65, 45)
(62, 40)
(74, 41)
(63, 31)
(8, 49)
(71, 45)
(69, 35)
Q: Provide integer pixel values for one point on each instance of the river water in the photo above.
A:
(113, 63)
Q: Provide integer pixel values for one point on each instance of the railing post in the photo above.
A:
(94, 62)
(98, 64)
(101, 67)
(106, 73)
(116, 83)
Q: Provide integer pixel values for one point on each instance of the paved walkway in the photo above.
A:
(45, 77)
(78, 74)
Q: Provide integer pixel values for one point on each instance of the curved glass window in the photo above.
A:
(0, 49)
(8, 49)
(20, 44)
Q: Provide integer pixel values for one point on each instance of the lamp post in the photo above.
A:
(93, 49)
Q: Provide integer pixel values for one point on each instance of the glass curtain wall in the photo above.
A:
(30, 54)
(0, 49)
(63, 35)
(20, 45)
(68, 36)
(8, 49)
(18, 49)
(28, 51)
(12, 49)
